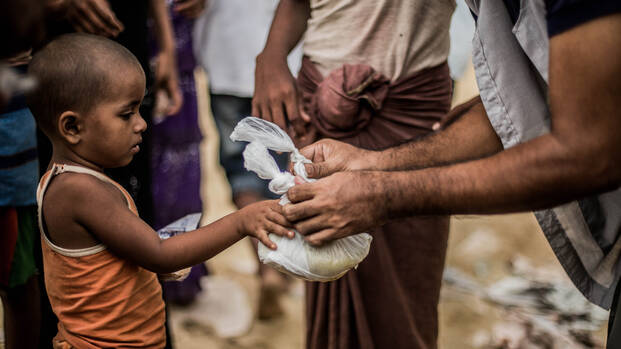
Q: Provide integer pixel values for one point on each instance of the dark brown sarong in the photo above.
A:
(391, 299)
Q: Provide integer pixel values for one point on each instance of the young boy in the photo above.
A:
(100, 258)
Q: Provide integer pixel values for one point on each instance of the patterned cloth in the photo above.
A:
(17, 245)
(175, 160)
(19, 173)
(391, 299)
(19, 169)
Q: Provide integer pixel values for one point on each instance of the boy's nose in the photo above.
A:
(140, 125)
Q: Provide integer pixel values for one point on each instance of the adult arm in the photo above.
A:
(580, 155)
(91, 16)
(166, 74)
(467, 135)
(276, 96)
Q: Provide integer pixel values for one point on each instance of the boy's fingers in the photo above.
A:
(279, 230)
(279, 219)
(261, 234)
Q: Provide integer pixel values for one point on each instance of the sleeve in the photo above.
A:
(563, 15)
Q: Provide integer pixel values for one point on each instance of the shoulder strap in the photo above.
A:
(62, 168)
(43, 184)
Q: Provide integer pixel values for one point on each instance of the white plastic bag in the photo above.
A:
(180, 226)
(294, 256)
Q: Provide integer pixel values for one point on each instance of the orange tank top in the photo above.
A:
(101, 301)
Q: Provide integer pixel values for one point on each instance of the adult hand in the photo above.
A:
(192, 9)
(330, 156)
(276, 96)
(94, 17)
(337, 206)
(166, 80)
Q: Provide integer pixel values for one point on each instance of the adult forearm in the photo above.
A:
(538, 174)
(469, 136)
(287, 28)
(162, 26)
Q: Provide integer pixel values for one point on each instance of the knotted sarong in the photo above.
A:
(391, 300)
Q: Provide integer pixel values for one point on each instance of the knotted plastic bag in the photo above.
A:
(294, 256)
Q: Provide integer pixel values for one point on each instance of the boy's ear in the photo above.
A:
(70, 127)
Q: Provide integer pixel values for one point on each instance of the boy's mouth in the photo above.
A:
(136, 147)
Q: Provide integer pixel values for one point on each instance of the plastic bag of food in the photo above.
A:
(180, 226)
(294, 256)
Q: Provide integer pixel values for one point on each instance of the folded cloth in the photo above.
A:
(359, 105)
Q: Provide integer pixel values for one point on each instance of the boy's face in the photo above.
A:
(113, 128)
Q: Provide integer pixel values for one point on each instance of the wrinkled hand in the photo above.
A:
(337, 206)
(191, 9)
(276, 96)
(93, 17)
(264, 217)
(330, 156)
(167, 81)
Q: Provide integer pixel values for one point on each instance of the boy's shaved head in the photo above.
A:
(74, 73)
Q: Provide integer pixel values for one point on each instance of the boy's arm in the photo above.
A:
(100, 210)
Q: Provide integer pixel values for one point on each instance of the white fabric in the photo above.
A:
(294, 256)
(227, 38)
(462, 31)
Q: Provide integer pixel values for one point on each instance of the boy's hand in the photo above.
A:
(265, 217)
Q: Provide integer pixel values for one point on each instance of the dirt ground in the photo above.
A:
(484, 249)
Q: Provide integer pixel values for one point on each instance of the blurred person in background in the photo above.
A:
(227, 38)
(374, 74)
(175, 158)
(21, 28)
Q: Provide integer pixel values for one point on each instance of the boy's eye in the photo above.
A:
(126, 115)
